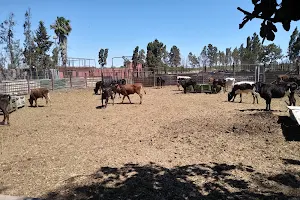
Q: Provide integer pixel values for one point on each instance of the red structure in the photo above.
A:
(96, 72)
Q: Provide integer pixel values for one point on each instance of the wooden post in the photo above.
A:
(154, 78)
(28, 84)
(85, 78)
(52, 82)
(71, 80)
(233, 68)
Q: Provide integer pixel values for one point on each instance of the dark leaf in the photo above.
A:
(270, 35)
(286, 25)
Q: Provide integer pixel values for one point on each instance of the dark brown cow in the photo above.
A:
(4, 103)
(38, 93)
(128, 89)
(282, 78)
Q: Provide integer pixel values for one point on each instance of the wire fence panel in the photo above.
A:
(18, 82)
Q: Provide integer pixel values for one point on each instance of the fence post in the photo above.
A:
(154, 78)
(233, 68)
(85, 78)
(52, 83)
(71, 80)
(28, 84)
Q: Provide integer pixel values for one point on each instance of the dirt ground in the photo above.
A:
(173, 146)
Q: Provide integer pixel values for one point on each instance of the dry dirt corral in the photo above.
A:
(173, 146)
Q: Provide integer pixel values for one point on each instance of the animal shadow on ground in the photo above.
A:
(262, 110)
(291, 162)
(100, 107)
(290, 128)
(39, 106)
(154, 182)
(126, 103)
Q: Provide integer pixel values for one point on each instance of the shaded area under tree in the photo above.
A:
(201, 181)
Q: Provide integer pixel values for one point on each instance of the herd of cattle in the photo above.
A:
(108, 89)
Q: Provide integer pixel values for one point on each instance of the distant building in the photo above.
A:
(96, 72)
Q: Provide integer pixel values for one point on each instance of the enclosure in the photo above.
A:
(174, 145)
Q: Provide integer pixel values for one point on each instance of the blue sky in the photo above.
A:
(121, 25)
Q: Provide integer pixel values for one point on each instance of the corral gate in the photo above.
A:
(259, 73)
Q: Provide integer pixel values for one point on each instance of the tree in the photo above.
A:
(12, 46)
(142, 57)
(204, 56)
(43, 45)
(251, 53)
(154, 54)
(236, 56)
(221, 58)
(294, 46)
(29, 46)
(212, 53)
(2, 66)
(270, 12)
(55, 56)
(62, 29)
(256, 49)
(193, 60)
(270, 53)
(174, 56)
(103, 54)
(228, 56)
(135, 57)
(165, 58)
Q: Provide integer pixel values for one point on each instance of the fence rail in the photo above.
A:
(147, 78)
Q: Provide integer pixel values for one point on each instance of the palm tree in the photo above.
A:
(62, 29)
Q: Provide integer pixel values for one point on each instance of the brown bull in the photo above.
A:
(128, 89)
(38, 93)
(4, 103)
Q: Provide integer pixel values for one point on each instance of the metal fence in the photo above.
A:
(22, 86)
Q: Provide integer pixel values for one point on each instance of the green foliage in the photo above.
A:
(270, 53)
(135, 57)
(142, 57)
(12, 46)
(55, 54)
(270, 12)
(62, 29)
(221, 58)
(29, 45)
(103, 54)
(228, 56)
(252, 52)
(154, 54)
(43, 45)
(212, 54)
(174, 56)
(236, 55)
(193, 60)
(204, 56)
(294, 45)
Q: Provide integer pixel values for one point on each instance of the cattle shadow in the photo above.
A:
(39, 106)
(291, 161)
(100, 107)
(260, 110)
(154, 182)
(126, 103)
(290, 128)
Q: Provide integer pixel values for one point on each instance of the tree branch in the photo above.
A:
(249, 16)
